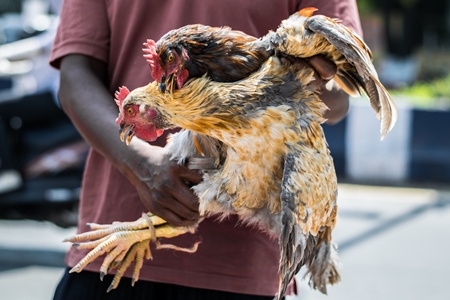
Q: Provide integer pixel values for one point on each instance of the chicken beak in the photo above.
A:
(162, 85)
(172, 82)
(167, 83)
(126, 133)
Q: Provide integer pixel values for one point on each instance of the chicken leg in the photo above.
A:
(125, 242)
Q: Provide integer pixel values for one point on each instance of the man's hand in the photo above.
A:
(336, 100)
(164, 186)
(324, 67)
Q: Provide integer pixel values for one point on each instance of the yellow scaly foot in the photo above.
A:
(126, 242)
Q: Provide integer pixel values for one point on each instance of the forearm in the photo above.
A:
(163, 185)
(86, 100)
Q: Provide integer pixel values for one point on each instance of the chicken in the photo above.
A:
(260, 146)
(227, 55)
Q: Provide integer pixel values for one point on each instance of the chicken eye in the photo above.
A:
(130, 111)
(170, 57)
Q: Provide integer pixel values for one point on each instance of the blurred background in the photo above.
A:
(394, 195)
(410, 40)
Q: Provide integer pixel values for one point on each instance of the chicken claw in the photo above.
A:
(126, 242)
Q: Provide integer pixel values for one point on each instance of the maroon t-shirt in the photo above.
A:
(231, 257)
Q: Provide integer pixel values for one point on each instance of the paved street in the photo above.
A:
(394, 244)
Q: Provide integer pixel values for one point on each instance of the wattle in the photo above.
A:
(150, 133)
(182, 77)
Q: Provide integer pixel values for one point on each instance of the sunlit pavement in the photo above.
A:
(31, 259)
(394, 244)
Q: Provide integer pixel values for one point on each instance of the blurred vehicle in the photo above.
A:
(46, 150)
(50, 156)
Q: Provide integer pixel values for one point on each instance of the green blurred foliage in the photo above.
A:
(427, 94)
(367, 7)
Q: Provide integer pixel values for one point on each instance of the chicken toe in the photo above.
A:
(126, 242)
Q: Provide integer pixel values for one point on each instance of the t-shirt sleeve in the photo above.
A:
(83, 29)
(344, 10)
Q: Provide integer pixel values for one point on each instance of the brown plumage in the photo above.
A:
(196, 46)
(227, 55)
(284, 182)
(260, 145)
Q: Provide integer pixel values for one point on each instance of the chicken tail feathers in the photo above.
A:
(323, 263)
(318, 253)
(292, 244)
(307, 221)
(292, 240)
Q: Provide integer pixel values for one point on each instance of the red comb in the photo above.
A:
(152, 58)
(120, 95)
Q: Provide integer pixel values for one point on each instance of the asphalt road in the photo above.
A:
(394, 243)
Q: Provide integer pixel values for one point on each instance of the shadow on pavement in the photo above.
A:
(442, 201)
(11, 258)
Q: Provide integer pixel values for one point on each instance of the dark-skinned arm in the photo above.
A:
(163, 185)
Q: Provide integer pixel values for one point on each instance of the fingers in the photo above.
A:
(180, 201)
(171, 197)
(170, 205)
(176, 220)
(192, 176)
(186, 198)
(324, 70)
(164, 187)
(324, 67)
(175, 211)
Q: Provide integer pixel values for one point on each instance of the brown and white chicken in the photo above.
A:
(258, 141)
(227, 55)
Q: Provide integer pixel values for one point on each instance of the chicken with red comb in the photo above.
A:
(226, 55)
(257, 141)
(135, 120)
